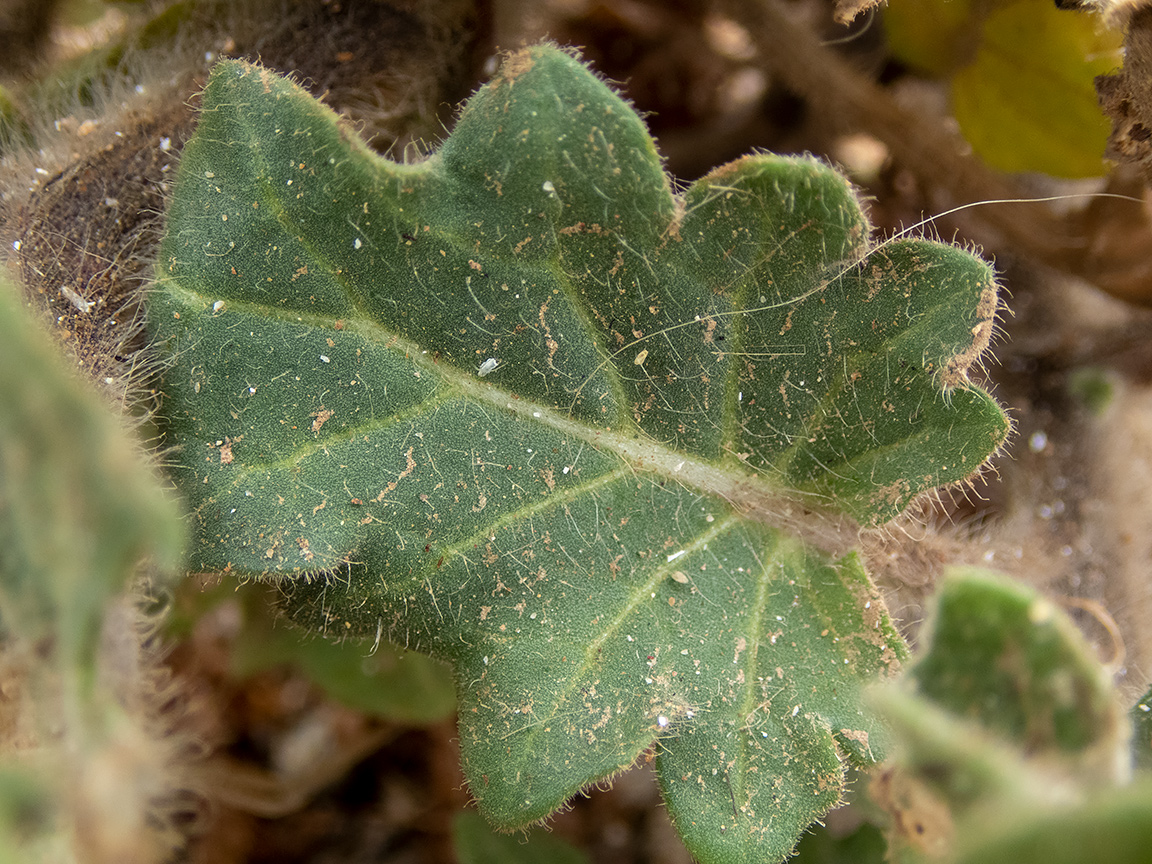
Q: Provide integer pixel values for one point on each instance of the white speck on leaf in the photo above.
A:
(488, 366)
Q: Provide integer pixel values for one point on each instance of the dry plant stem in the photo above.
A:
(246, 787)
(1104, 618)
(795, 55)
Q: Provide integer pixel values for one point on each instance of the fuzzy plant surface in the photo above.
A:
(601, 445)
(1013, 743)
(80, 510)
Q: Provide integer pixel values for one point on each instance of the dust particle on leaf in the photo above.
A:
(320, 418)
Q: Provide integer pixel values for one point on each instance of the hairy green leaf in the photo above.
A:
(524, 408)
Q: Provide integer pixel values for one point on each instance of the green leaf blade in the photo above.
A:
(565, 675)
(765, 762)
(757, 236)
(516, 412)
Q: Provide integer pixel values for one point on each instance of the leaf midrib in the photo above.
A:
(744, 488)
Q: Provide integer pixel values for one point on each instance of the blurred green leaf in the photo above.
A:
(865, 845)
(1141, 717)
(14, 129)
(932, 36)
(476, 843)
(28, 820)
(1108, 827)
(1006, 724)
(1093, 387)
(384, 679)
(80, 508)
(1004, 656)
(1027, 101)
(80, 511)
